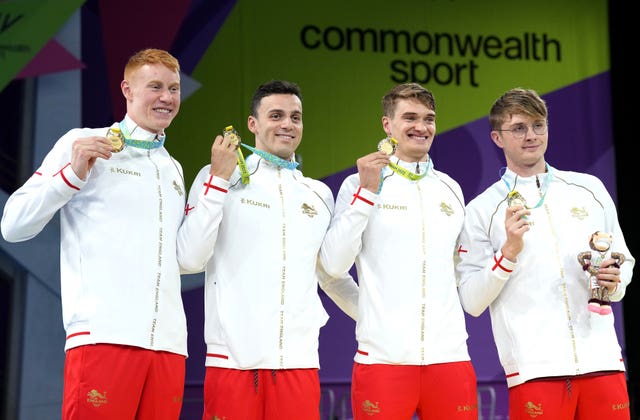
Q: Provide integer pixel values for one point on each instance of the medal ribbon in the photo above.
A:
(141, 144)
(242, 165)
(547, 183)
(276, 160)
(244, 171)
(405, 173)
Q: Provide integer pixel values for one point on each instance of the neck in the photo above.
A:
(262, 149)
(527, 171)
(270, 157)
(411, 159)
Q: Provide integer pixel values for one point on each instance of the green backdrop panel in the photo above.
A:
(345, 55)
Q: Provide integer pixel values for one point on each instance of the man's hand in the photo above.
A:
(609, 274)
(515, 224)
(224, 157)
(370, 168)
(85, 151)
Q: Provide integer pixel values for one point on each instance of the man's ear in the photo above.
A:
(385, 125)
(497, 139)
(126, 89)
(252, 124)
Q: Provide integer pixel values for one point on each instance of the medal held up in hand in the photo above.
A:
(388, 145)
(516, 199)
(115, 136)
(232, 134)
(234, 138)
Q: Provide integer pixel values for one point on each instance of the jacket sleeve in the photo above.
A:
(343, 290)
(29, 209)
(482, 272)
(619, 244)
(203, 214)
(343, 240)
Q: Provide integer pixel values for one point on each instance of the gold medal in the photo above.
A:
(234, 138)
(388, 145)
(115, 136)
(516, 199)
(231, 132)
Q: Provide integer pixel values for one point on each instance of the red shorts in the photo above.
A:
(261, 394)
(587, 397)
(114, 382)
(440, 391)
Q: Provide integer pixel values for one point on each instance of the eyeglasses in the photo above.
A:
(520, 131)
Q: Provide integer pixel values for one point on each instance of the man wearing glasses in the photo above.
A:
(518, 256)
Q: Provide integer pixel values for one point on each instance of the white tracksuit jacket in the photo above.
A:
(120, 279)
(538, 304)
(403, 244)
(258, 244)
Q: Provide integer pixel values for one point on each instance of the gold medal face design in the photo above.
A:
(115, 136)
(232, 134)
(387, 145)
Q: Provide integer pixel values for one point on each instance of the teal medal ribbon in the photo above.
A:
(276, 160)
(513, 194)
(141, 144)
